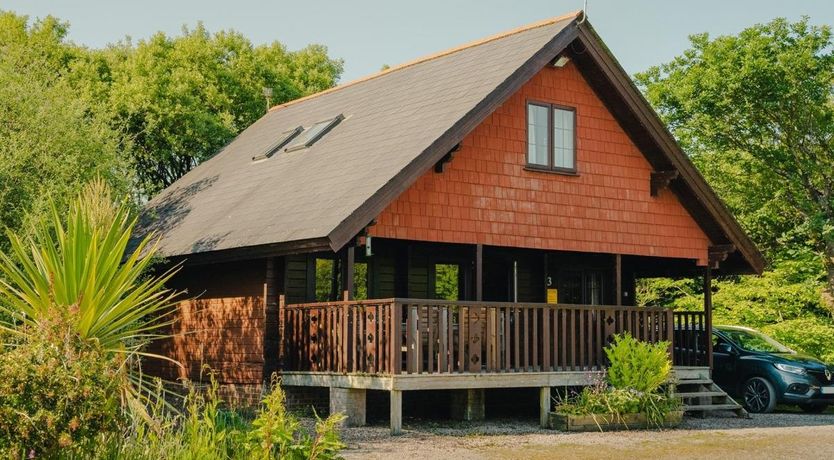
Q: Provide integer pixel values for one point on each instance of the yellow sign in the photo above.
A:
(552, 296)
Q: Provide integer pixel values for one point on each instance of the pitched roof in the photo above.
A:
(398, 123)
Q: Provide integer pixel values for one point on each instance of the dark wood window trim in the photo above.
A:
(549, 167)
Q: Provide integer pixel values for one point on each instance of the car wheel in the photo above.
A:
(813, 408)
(759, 396)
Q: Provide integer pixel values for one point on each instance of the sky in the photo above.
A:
(368, 34)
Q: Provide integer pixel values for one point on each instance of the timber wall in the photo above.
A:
(486, 195)
(221, 328)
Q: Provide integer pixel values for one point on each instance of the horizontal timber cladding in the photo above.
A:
(485, 195)
(383, 277)
(220, 329)
(297, 274)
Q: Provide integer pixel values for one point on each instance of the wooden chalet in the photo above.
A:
(474, 219)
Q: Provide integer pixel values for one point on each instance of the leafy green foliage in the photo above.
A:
(206, 430)
(76, 264)
(636, 381)
(324, 279)
(756, 112)
(52, 141)
(329, 283)
(786, 302)
(637, 365)
(76, 268)
(58, 392)
(446, 281)
(809, 335)
(360, 280)
(139, 115)
(180, 99)
(609, 405)
(277, 434)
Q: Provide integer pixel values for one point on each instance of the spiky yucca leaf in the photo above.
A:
(78, 263)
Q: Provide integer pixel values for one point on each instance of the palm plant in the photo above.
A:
(80, 265)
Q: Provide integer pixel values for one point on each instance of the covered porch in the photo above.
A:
(398, 315)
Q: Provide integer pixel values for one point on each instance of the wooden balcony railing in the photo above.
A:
(393, 336)
(690, 339)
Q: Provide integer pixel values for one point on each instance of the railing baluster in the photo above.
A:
(395, 329)
(439, 338)
(581, 343)
(517, 339)
(535, 363)
(463, 338)
(572, 339)
(546, 364)
(526, 349)
(411, 339)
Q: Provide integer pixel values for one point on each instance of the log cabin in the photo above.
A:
(471, 220)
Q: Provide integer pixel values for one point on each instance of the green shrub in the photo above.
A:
(277, 434)
(637, 365)
(636, 381)
(611, 404)
(57, 394)
(80, 261)
(811, 335)
(204, 429)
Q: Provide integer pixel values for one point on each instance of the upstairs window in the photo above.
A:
(310, 135)
(551, 137)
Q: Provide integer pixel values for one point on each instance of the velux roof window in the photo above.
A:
(283, 140)
(310, 135)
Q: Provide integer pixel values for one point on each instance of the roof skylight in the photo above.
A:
(283, 140)
(310, 135)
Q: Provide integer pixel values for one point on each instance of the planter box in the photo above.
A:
(608, 422)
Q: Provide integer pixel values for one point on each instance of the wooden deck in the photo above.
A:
(414, 336)
(401, 345)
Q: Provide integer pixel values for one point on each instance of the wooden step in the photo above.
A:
(701, 394)
(695, 382)
(690, 372)
(711, 407)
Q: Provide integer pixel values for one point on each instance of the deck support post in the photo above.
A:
(618, 280)
(708, 312)
(468, 405)
(272, 321)
(477, 321)
(396, 412)
(351, 402)
(544, 406)
(348, 260)
(479, 272)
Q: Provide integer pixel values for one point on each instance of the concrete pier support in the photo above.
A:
(351, 402)
(468, 405)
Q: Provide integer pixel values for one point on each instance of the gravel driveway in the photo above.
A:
(780, 435)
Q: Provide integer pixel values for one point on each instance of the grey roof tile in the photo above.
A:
(229, 201)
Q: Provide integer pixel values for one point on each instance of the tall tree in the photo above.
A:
(52, 141)
(180, 99)
(756, 111)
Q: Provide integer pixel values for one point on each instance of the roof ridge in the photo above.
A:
(420, 60)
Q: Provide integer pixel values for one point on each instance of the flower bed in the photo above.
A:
(610, 422)
(635, 393)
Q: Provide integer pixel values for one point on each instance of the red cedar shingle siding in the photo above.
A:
(222, 328)
(486, 196)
